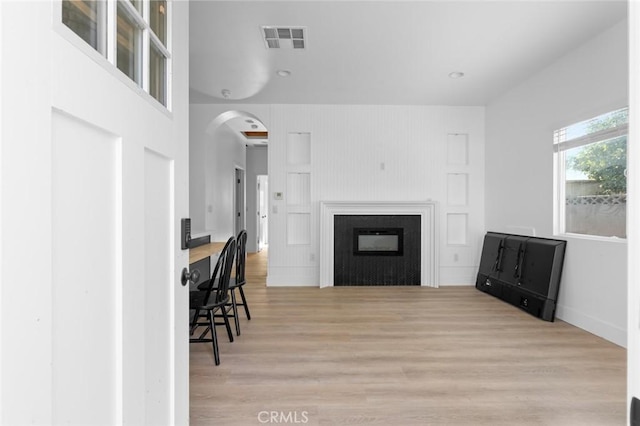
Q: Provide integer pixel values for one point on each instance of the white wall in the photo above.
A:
(348, 145)
(590, 80)
(256, 165)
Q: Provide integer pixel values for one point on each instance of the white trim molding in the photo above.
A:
(428, 229)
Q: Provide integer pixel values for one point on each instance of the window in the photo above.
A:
(129, 44)
(158, 19)
(158, 75)
(85, 18)
(158, 54)
(137, 4)
(591, 183)
(136, 42)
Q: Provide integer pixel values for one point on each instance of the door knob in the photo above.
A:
(187, 276)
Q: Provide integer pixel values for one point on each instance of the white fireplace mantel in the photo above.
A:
(429, 232)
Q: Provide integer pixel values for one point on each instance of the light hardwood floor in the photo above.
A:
(402, 356)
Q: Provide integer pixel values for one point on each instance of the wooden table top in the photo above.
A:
(206, 250)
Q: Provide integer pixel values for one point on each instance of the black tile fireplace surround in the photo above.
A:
(389, 252)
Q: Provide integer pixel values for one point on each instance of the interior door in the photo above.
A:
(263, 210)
(94, 175)
(239, 196)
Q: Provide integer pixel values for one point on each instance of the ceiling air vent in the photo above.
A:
(284, 37)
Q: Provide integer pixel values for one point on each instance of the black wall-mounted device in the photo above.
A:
(185, 233)
(523, 271)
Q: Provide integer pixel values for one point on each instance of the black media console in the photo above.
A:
(523, 271)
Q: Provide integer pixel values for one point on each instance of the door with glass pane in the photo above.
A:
(94, 176)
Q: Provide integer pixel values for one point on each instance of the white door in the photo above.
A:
(239, 197)
(633, 206)
(263, 210)
(94, 176)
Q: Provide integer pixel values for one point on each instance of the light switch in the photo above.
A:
(277, 195)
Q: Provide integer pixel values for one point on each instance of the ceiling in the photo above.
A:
(383, 52)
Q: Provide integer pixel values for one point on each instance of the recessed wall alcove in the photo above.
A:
(425, 210)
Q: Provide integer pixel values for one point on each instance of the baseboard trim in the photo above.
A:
(607, 331)
(292, 277)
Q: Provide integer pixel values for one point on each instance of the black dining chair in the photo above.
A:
(211, 301)
(237, 282)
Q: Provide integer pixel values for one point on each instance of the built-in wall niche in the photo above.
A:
(298, 189)
(457, 189)
(298, 193)
(457, 218)
(298, 228)
(458, 149)
(457, 224)
(298, 148)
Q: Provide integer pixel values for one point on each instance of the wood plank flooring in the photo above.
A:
(402, 356)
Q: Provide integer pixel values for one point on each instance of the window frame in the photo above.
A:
(559, 172)
(106, 55)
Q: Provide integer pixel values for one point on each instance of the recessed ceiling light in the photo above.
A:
(226, 93)
(248, 121)
(456, 74)
(283, 73)
(254, 126)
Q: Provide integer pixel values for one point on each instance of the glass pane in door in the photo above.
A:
(128, 45)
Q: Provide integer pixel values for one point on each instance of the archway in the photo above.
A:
(235, 141)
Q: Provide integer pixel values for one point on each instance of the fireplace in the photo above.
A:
(376, 250)
(423, 239)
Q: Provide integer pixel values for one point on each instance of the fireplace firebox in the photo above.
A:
(378, 242)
